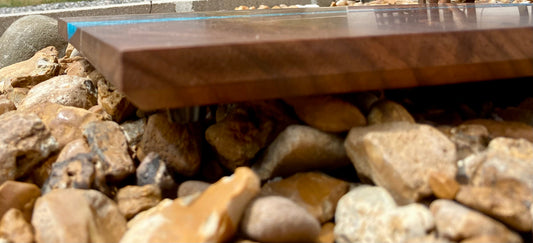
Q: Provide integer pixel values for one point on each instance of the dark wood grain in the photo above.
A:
(218, 57)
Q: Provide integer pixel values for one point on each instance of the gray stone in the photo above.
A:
(278, 219)
(459, 223)
(64, 90)
(153, 170)
(177, 144)
(108, 143)
(77, 172)
(369, 214)
(24, 143)
(74, 215)
(399, 156)
(133, 130)
(298, 149)
(28, 35)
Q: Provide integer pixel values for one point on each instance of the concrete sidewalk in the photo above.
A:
(158, 6)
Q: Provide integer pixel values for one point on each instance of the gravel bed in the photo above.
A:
(63, 5)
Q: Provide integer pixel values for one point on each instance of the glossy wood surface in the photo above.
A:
(178, 60)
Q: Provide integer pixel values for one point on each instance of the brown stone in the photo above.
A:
(149, 212)
(443, 187)
(73, 148)
(24, 143)
(17, 95)
(14, 228)
(400, 156)
(385, 111)
(516, 114)
(177, 144)
(98, 109)
(211, 217)
(19, 195)
(133, 130)
(64, 90)
(191, 187)
(114, 102)
(459, 223)
(108, 143)
(65, 122)
(134, 199)
(508, 129)
(505, 207)
(6, 104)
(77, 66)
(316, 192)
(244, 129)
(327, 113)
(326, 233)
(298, 149)
(42, 66)
(74, 215)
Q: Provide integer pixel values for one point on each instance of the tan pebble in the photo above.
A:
(443, 186)
(242, 7)
(333, 4)
(283, 6)
(342, 3)
(293, 6)
(276, 7)
(262, 6)
(252, 8)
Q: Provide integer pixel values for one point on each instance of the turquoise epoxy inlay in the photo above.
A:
(72, 27)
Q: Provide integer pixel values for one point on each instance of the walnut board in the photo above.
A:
(199, 58)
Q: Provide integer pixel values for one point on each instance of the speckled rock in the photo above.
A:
(107, 142)
(316, 192)
(177, 144)
(278, 219)
(385, 111)
(74, 215)
(26, 74)
(15, 228)
(298, 149)
(241, 130)
(213, 216)
(369, 214)
(64, 90)
(153, 170)
(459, 223)
(327, 113)
(505, 207)
(114, 102)
(191, 187)
(28, 35)
(134, 199)
(397, 157)
(19, 195)
(65, 122)
(24, 143)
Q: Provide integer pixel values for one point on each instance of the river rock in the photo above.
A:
(19, 195)
(24, 143)
(134, 199)
(505, 207)
(443, 186)
(6, 104)
(107, 142)
(149, 212)
(177, 144)
(65, 122)
(316, 192)
(64, 90)
(191, 187)
(77, 172)
(509, 129)
(113, 101)
(327, 113)
(397, 156)
(385, 111)
(76, 66)
(15, 228)
(74, 215)
(298, 149)
(213, 216)
(26, 74)
(28, 35)
(243, 129)
(17, 95)
(369, 214)
(459, 223)
(153, 170)
(278, 219)
(73, 148)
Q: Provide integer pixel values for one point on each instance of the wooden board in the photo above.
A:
(179, 60)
